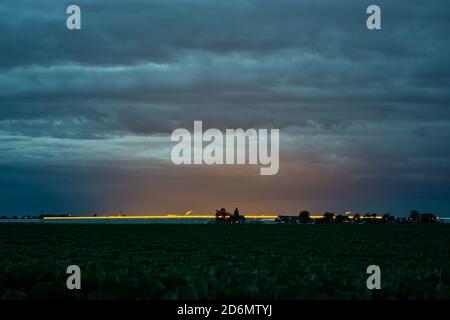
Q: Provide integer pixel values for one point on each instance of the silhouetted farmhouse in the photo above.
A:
(223, 217)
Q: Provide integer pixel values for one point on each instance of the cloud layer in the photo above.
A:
(85, 115)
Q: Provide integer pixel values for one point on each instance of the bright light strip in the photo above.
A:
(173, 216)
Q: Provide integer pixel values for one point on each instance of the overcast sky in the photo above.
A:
(85, 116)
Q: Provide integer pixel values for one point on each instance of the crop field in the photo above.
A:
(224, 261)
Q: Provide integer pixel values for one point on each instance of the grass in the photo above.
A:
(224, 261)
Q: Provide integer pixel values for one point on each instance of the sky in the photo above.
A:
(86, 115)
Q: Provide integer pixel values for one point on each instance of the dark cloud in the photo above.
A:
(85, 115)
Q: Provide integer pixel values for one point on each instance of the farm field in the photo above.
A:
(224, 261)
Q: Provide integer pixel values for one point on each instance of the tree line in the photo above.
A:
(304, 217)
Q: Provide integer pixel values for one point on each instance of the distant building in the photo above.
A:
(287, 219)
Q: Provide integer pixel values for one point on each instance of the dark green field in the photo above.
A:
(224, 261)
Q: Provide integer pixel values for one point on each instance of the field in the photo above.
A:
(224, 261)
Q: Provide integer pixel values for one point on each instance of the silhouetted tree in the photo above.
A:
(341, 219)
(386, 217)
(357, 217)
(304, 217)
(222, 215)
(328, 217)
(429, 218)
(237, 218)
(415, 216)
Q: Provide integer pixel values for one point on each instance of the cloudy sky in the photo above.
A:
(86, 116)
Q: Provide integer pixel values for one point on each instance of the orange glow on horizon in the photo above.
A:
(174, 216)
(168, 216)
